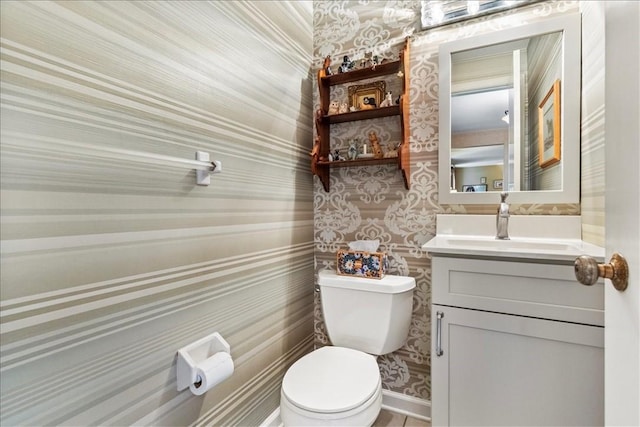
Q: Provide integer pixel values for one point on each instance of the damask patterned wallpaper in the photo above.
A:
(371, 202)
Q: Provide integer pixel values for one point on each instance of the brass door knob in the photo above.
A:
(588, 270)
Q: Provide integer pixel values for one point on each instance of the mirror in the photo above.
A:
(510, 115)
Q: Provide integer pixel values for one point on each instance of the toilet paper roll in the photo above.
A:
(212, 372)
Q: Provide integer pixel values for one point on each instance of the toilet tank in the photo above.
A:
(370, 315)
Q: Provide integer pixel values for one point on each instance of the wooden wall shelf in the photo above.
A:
(360, 162)
(363, 73)
(362, 115)
(320, 165)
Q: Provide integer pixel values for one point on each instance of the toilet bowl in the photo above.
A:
(332, 386)
(340, 385)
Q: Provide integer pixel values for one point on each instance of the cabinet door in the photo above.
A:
(505, 370)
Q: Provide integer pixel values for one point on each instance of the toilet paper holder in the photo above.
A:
(193, 354)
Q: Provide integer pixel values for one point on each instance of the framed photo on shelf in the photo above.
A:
(474, 188)
(549, 127)
(498, 184)
(366, 96)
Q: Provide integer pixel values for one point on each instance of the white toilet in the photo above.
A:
(340, 385)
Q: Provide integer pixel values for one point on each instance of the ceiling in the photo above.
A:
(479, 111)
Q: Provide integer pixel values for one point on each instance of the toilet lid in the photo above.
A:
(331, 379)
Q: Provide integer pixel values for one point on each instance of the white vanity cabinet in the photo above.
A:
(515, 342)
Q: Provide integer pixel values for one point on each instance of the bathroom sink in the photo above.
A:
(517, 247)
(534, 237)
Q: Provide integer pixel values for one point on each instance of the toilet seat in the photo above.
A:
(331, 379)
(332, 385)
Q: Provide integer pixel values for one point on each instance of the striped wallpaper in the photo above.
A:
(112, 257)
(592, 175)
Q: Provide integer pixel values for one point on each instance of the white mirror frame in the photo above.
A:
(570, 25)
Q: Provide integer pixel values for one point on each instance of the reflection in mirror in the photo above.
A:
(488, 83)
(479, 137)
(491, 88)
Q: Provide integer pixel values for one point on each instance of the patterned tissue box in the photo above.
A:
(372, 265)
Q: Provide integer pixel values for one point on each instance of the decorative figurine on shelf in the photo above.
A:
(367, 61)
(375, 61)
(398, 99)
(368, 103)
(326, 65)
(364, 150)
(388, 100)
(334, 108)
(392, 149)
(375, 145)
(352, 153)
(336, 156)
(347, 65)
(344, 108)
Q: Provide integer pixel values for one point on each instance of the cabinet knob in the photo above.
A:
(588, 270)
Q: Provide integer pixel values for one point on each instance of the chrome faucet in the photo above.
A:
(502, 218)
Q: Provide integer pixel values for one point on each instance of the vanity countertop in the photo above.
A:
(516, 247)
(531, 237)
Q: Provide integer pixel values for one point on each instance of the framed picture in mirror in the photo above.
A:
(474, 188)
(549, 127)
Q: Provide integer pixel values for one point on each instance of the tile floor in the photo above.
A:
(393, 419)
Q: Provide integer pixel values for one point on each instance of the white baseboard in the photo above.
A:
(406, 405)
(273, 420)
(391, 401)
